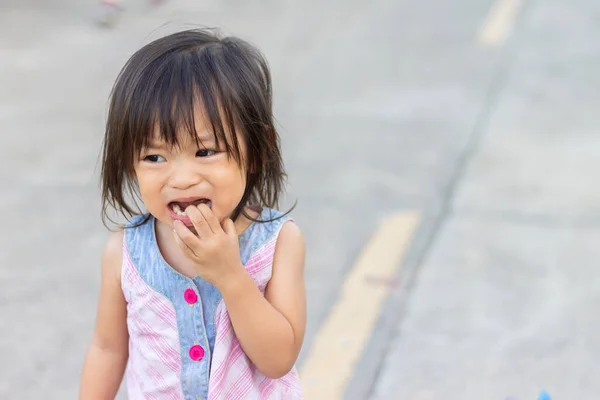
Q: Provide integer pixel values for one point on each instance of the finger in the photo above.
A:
(184, 238)
(229, 227)
(210, 217)
(200, 224)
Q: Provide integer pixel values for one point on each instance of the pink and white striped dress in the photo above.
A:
(181, 341)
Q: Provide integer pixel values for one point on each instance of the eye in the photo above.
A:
(205, 153)
(154, 158)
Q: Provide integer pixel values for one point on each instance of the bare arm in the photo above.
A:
(108, 352)
(271, 328)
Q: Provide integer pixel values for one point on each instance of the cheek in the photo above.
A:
(230, 180)
(228, 174)
(148, 183)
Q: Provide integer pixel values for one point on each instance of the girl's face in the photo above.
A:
(172, 178)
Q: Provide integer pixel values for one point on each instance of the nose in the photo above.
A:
(184, 175)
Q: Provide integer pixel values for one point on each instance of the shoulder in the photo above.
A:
(114, 245)
(290, 233)
(112, 255)
(290, 245)
(282, 225)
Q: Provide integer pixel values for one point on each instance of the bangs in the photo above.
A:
(168, 84)
(177, 89)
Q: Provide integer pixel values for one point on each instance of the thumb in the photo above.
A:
(229, 227)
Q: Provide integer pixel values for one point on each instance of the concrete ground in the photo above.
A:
(385, 107)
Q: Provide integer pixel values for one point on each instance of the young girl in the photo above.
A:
(203, 295)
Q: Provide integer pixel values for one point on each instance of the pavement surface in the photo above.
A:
(449, 149)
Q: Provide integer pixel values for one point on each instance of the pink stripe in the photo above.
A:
(240, 387)
(286, 383)
(151, 343)
(163, 388)
(159, 309)
(257, 262)
(148, 330)
(232, 357)
(132, 377)
(156, 341)
(225, 335)
(151, 340)
(261, 258)
(269, 390)
(290, 379)
(263, 253)
(265, 385)
(138, 282)
(235, 354)
(165, 313)
(131, 372)
(223, 324)
(156, 377)
(216, 378)
(261, 261)
(233, 375)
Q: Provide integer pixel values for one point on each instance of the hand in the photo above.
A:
(215, 251)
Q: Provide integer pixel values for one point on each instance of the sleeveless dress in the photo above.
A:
(181, 341)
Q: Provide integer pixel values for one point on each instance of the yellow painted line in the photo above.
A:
(498, 22)
(342, 337)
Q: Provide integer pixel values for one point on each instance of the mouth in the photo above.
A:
(178, 207)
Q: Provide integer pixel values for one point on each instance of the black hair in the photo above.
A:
(162, 84)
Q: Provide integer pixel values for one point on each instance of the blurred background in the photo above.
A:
(445, 159)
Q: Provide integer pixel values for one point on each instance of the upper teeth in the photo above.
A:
(178, 210)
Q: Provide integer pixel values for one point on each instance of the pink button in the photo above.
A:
(196, 352)
(190, 296)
